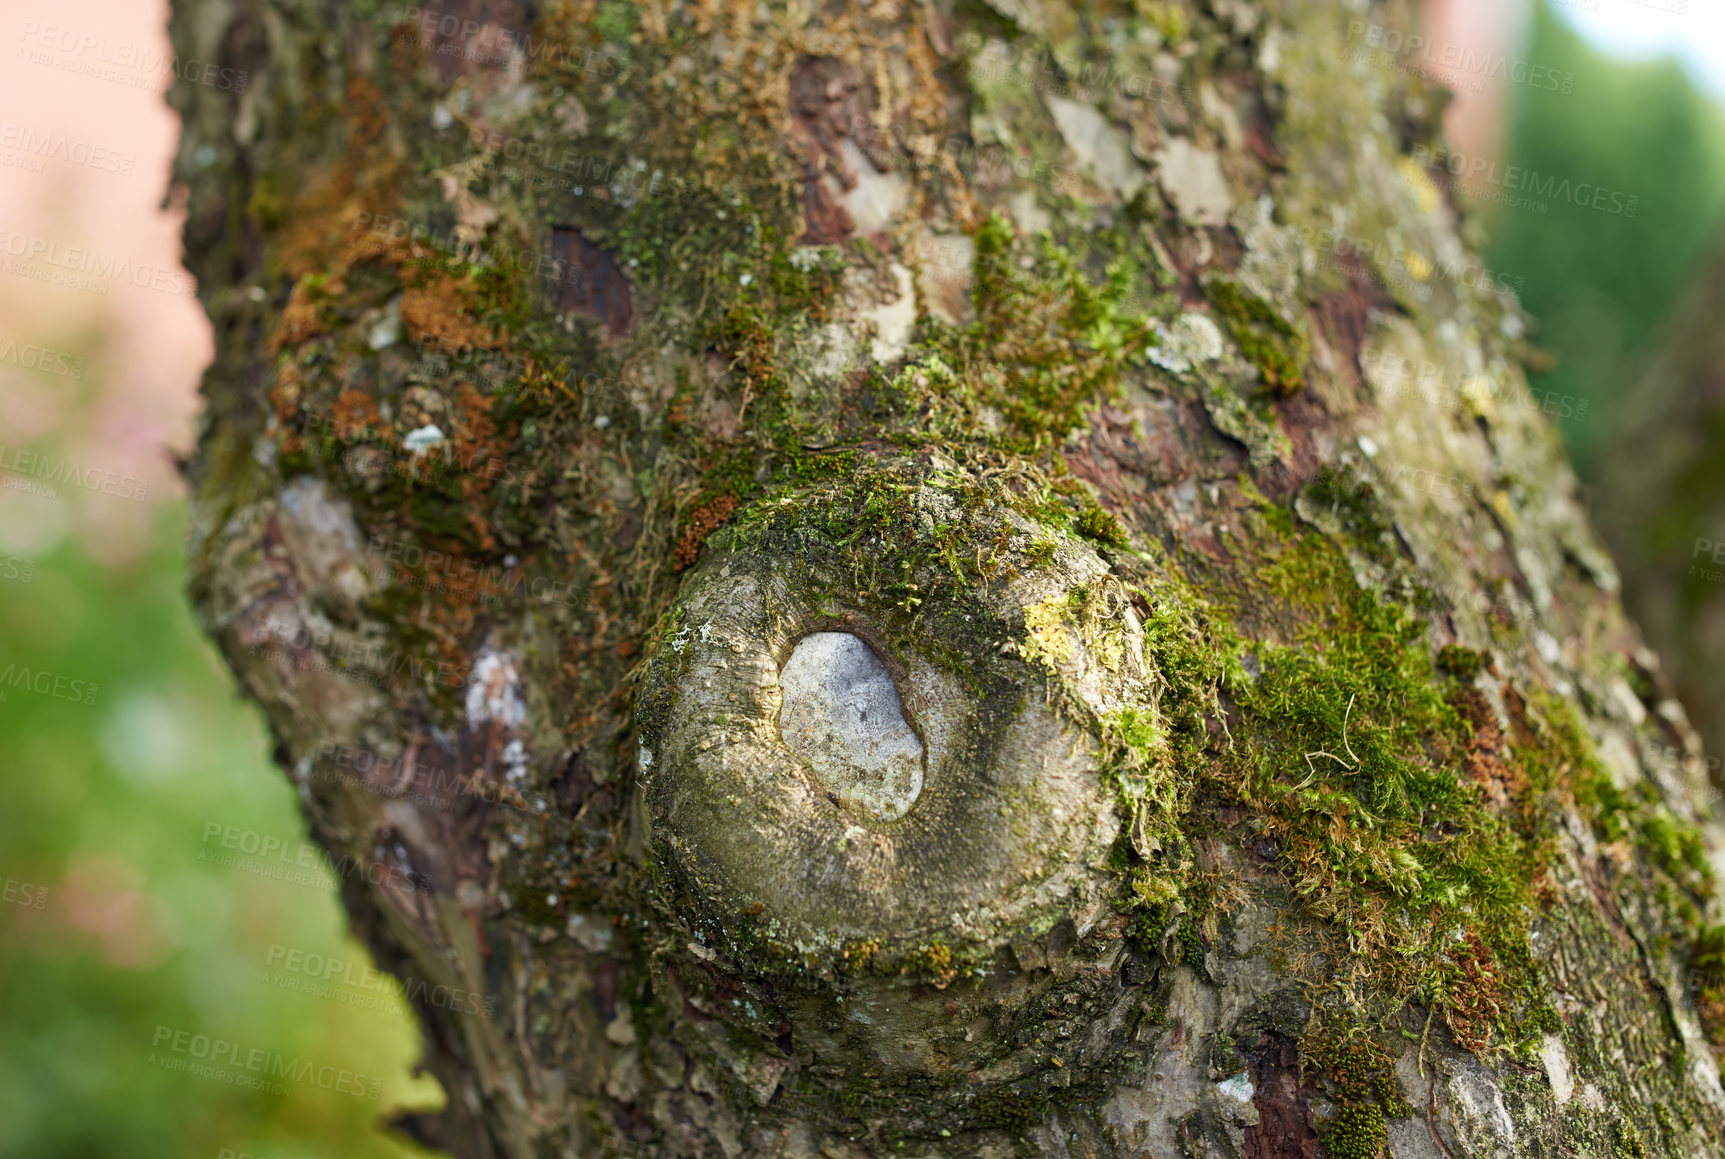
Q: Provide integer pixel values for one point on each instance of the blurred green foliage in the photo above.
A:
(106, 809)
(1599, 284)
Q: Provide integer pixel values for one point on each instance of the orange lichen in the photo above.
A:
(352, 413)
(1477, 997)
(300, 319)
(700, 525)
(361, 186)
(285, 394)
(435, 314)
(1499, 780)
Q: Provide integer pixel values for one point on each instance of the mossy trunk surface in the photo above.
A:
(613, 405)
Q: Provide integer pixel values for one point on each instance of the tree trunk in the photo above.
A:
(930, 579)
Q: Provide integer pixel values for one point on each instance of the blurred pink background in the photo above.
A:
(144, 349)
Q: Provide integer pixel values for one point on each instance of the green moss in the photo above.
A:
(1629, 1143)
(1710, 956)
(1191, 944)
(1170, 20)
(805, 279)
(1462, 663)
(1354, 762)
(1355, 515)
(1356, 1132)
(1670, 852)
(937, 961)
(1102, 526)
(1054, 329)
(1349, 759)
(1269, 341)
(534, 902)
(1006, 1109)
(616, 21)
(1362, 1077)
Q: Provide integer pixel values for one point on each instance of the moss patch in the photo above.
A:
(1269, 341)
(1362, 1080)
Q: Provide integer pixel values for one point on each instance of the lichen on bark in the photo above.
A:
(576, 362)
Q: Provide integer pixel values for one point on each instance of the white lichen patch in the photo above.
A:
(1477, 1101)
(944, 274)
(894, 321)
(422, 439)
(1102, 149)
(876, 198)
(1192, 340)
(1556, 1061)
(841, 715)
(322, 538)
(494, 692)
(1271, 266)
(1194, 181)
(385, 330)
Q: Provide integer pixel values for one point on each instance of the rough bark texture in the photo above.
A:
(1291, 780)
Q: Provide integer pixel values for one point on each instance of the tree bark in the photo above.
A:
(614, 406)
